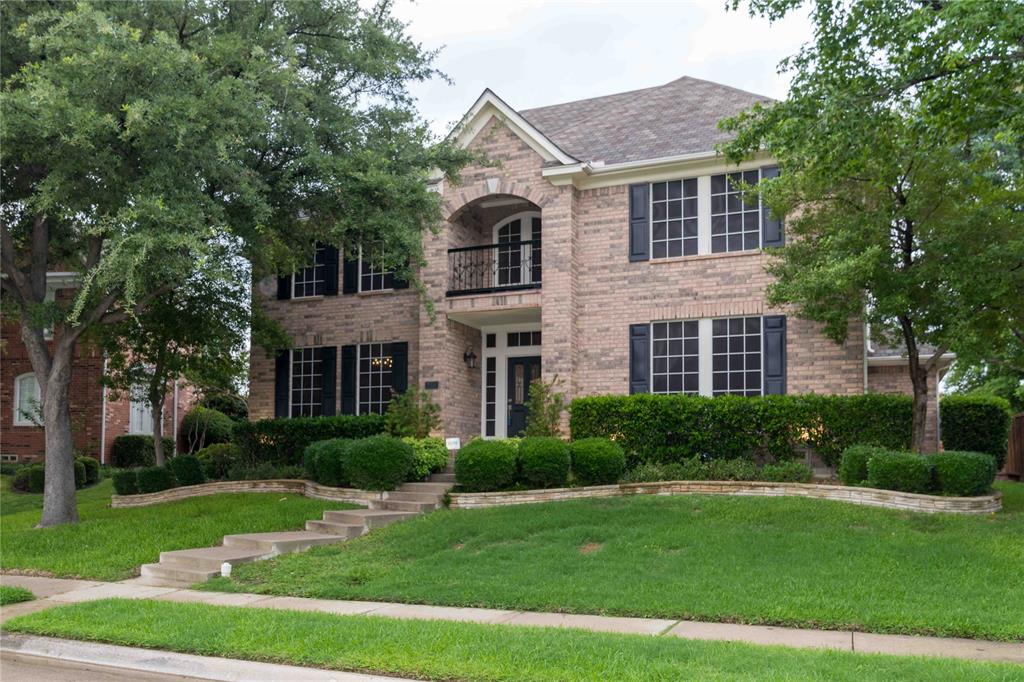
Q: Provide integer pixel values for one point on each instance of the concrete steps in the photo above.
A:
(444, 477)
(370, 518)
(407, 506)
(280, 543)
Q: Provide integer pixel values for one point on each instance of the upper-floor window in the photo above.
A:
(310, 280)
(375, 377)
(736, 356)
(735, 214)
(674, 218)
(27, 400)
(306, 395)
(372, 275)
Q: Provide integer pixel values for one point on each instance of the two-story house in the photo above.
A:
(610, 248)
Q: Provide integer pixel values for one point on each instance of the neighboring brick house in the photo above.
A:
(608, 248)
(98, 415)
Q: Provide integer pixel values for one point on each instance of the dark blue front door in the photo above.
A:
(521, 371)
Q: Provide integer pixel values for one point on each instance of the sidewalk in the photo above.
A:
(54, 592)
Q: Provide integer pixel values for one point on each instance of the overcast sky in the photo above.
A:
(538, 52)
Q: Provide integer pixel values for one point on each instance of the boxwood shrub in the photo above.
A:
(125, 482)
(976, 423)
(485, 465)
(136, 450)
(964, 474)
(283, 441)
(30, 479)
(187, 470)
(597, 461)
(202, 426)
(902, 471)
(216, 460)
(853, 465)
(154, 479)
(544, 462)
(325, 461)
(429, 455)
(378, 462)
(92, 469)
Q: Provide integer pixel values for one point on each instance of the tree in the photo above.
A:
(137, 137)
(900, 146)
(544, 408)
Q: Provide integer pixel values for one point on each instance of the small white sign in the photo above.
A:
(452, 443)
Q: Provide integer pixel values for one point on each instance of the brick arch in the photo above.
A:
(471, 194)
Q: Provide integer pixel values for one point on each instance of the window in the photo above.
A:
(140, 414)
(736, 356)
(375, 378)
(492, 340)
(374, 277)
(516, 339)
(674, 218)
(307, 383)
(310, 280)
(490, 395)
(735, 225)
(675, 357)
(27, 400)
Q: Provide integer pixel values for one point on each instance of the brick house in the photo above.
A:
(609, 249)
(98, 414)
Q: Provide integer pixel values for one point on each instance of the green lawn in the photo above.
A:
(13, 595)
(441, 650)
(110, 544)
(787, 561)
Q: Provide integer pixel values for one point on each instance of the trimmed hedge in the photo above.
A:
(976, 423)
(79, 474)
(187, 470)
(125, 482)
(92, 469)
(853, 466)
(786, 472)
(964, 474)
(485, 465)
(325, 461)
(378, 462)
(597, 461)
(283, 441)
(218, 459)
(202, 427)
(136, 450)
(544, 462)
(154, 479)
(672, 428)
(693, 469)
(429, 455)
(263, 472)
(904, 471)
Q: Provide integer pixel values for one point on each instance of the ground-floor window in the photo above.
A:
(306, 382)
(736, 356)
(27, 400)
(490, 395)
(375, 377)
(674, 357)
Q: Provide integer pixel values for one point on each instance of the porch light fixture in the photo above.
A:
(469, 357)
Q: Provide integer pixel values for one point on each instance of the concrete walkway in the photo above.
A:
(55, 592)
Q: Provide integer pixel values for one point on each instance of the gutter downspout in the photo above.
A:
(103, 416)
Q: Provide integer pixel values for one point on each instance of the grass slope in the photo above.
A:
(445, 650)
(807, 563)
(110, 544)
(13, 595)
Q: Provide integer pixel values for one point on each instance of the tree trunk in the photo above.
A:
(59, 504)
(158, 432)
(919, 381)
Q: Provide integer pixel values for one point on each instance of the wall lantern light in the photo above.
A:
(469, 357)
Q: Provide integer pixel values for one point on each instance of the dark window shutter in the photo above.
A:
(330, 271)
(350, 277)
(399, 367)
(328, 380)
(282, 379)
(639, 222)
(771, 229)
(348, 379)
(774, 354)
(284, 287)
(639, 358)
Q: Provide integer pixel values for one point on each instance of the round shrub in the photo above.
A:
(234, 406)
(597, 461)
(902, 471)
(125, 482)
(79, 474)
(22, 480)
(154, 479)
(92, 469)
(202, 427)
(378, 462)
(853, 464)
(135, 450)
(327, 461)
(187, 470)
(216, 460)
(429, 455)
(36, 478)
(976, 423)
(544, 461)
(485, 465)
(964, 474)
(787, 472)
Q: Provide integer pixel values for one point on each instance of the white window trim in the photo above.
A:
(360, 288)
(705, 349)
(501, 354)
(17, 418)
(760, 214)
(294, 295)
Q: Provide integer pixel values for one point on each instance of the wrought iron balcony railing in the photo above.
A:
(494, 267)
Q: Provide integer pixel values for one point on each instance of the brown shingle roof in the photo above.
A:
(677, 118)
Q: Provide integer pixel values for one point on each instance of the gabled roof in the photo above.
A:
(678, 118)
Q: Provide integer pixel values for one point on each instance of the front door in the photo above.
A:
(521, 371)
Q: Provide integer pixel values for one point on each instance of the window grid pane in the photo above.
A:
(736, 356)
(307, 383)
(490, 397)
(735, 225)
(674, 218)
(374, 377)
(309, 281)
(675, 365)
(371, 276)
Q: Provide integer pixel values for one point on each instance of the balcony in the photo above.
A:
(494, 268)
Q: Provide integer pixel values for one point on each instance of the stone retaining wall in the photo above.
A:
(296, 486)
(870, 497)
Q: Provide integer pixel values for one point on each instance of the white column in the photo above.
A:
(704, 214)
(704, 344)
